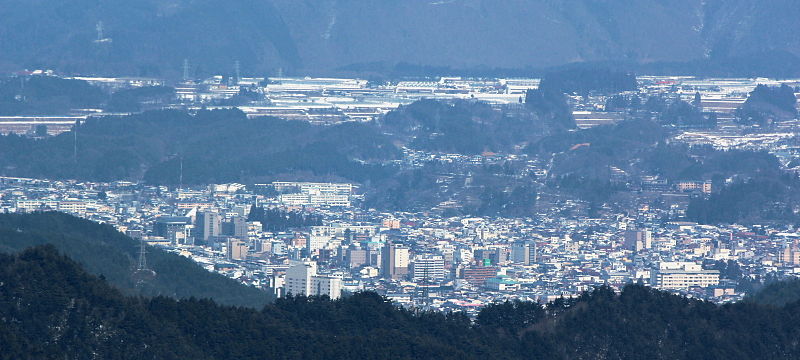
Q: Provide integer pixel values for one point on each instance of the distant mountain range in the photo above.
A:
(153, 37)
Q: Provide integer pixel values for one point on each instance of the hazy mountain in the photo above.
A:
(153, 37)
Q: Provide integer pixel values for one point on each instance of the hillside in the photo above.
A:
(214, 147)
(104, 251)
(778, 293)
(52, 309)
(151, 38)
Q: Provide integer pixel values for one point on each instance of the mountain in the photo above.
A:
(144, 37)
(105, 252)
(153, 37)
(50, 308)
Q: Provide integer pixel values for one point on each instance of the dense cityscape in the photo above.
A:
(306, 237)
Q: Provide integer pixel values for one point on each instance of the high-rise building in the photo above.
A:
(428, 267)
(494, 255)
(298, 278)
(302, 279)
(524, 252)
(236, 227)
(789, 255)
(208, 225)
(395, 261)
(172, 228)
(638, 240)
(355, 257)
(237, 249)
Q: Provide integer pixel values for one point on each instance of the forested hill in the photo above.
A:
(153, 37)
(104, 251)
(50, 308)
(213, 147)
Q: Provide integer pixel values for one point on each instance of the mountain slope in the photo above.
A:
(215, 147)
(104, 251)
(145, 37)
(152, 37)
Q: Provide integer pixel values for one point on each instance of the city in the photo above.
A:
(317, 238)
(415, 179)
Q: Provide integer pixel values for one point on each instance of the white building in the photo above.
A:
(302, 279)
(683, 275)
(523, 252)
(428, 267)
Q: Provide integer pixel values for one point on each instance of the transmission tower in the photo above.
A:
(142, 257)
(142, 273)
(101, 34)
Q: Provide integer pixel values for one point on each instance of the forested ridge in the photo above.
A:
(103, 251)
(50, 308)
(210, 147)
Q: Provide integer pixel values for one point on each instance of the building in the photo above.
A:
(427, 267)
(501, 283)
(394, 261)
(323, 199)
(236, 227)
(302, 279)
(298, 278)
(355, 257)
(495, 255)
(638, 240)
(208, 225)
(692, 186)
(237, 249)
(36, 205)
(682, 276)
(524, 252)
(172, 228)
(789, 255)
(72, 207)
(477, 275)
(313, 194)
(322, 235)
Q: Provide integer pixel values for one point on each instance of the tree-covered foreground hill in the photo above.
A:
(50, 308)
(103, 251)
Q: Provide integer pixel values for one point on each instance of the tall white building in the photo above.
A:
(394, 258)
(322, 235)
(302, 279)
(428, 267)
(524, 252)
